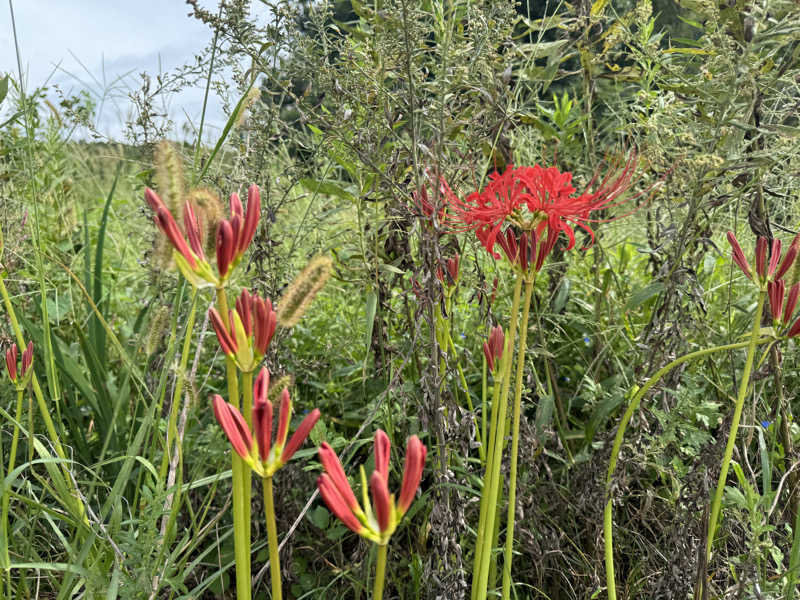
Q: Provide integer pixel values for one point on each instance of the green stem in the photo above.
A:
(737, 415)
(512, 486)
(272, 537)
(380, 572)
(43, 409)
(12, 458)
(484, 384)
(794, 560)
(172, 426)
(617, 446)
(240, 473)
(483, 549)
(463, 379)
(247, 411)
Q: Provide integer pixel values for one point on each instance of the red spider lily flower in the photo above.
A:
(247, 332)
(19, 377)
(376, 523)
(791, 303)
(232, 238)
(493, 348)
(257, 448)
(535, 199)
(775, 292)
(738, 256)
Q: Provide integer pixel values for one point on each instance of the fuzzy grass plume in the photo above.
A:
(298, 296)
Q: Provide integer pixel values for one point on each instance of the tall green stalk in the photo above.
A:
(483, 548)
(608, 518)
(737, 415)
(5, 559)
(272, 538)
(239, 473)
(512, 485)
(380, 572)
(247, 411)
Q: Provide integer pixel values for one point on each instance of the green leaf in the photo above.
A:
(3, 88)
(643, 294)
(326, 188)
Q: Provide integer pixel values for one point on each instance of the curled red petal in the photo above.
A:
(333, 467)
(300, 435)
(226, 340)
(336, 504)
(234, 426)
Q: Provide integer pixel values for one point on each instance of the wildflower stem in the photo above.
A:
(463, 379)
(247, 412)
(5, 559)
(239, 473)
(737, 415)
(636, 399)
(43, 409)
(272, 538)
(483, 548)
(380, 572)
(512, 485)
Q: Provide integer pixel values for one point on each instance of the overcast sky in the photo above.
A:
(90, 44)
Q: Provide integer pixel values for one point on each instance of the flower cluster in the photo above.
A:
(526, 208)
(493, 348)
(262, 454)
(452, 268)
(22, 377)
(248, 331)
(233, 237)
(379, 521)
(769, 275)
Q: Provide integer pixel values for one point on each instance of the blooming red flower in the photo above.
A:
(535, 199)
(376, 523)
(258, 449)
(247, 332)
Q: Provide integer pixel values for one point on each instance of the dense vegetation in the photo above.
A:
(347, 115)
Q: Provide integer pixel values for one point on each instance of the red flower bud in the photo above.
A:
(335, 473)
(251, 220)
(244, 305)
(761, 257)
(236, 209)
(283, 422)
(266, 320)
(226, 246)
(166, 223)
(794, 329)
(381, 501)
(336, 504)
(226, 340)
(300, 435)
(775, 291)
(262, 414)
(382, 451)
(234, 426)
(11, 362)
(788, 259)
(27, 359)
(774, 257)
(412, 473)
(738, 255)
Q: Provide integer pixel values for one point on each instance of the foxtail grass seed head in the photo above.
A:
(298, 296)
(169, 176)
(210, 212)
(158, 325)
